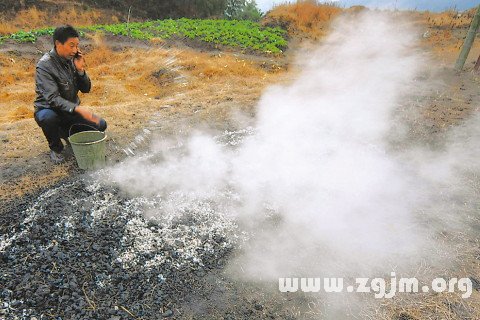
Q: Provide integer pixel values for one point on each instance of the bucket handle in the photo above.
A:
(80, 124)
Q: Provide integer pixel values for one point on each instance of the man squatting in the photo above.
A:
(60, 74)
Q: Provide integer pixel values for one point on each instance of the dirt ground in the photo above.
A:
(174, 87)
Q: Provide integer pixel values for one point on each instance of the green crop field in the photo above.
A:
(242, 34)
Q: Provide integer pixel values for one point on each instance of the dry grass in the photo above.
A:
(33, 18)
(218, 66)
(127, 95)
(33, 181)
(444, 32)
(445, 20)
(128, 76)
(461, 262)
(17, 92)
(304, 18)
(129, 87)
(443, 43)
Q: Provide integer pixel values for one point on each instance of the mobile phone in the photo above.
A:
(77, 55)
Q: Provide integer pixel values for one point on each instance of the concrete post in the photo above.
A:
(467, 45)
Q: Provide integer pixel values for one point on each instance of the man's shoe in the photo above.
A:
(56, 157)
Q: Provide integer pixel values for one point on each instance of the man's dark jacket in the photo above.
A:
(58, 82)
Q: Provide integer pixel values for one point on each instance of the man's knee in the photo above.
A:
(47, 118)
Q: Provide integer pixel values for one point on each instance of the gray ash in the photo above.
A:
(82, 250)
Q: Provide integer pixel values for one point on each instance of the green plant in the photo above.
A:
(244, 34)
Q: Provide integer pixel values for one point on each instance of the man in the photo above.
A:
(60, 74)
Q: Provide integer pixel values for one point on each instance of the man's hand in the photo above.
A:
(88, 115)
(79, 62)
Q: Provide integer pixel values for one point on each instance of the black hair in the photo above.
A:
(62, 33)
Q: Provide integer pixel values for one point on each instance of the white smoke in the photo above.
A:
(320, 157)
(316, 184)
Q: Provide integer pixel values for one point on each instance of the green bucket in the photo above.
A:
(89, 149)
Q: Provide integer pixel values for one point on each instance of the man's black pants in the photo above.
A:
(56, 124)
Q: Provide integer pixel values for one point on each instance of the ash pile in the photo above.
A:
(84, 250)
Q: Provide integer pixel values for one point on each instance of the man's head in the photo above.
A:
(66, 40)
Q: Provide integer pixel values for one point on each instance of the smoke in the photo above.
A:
(320, 157)
(315, 182)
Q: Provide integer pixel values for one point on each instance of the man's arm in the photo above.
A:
(48, 87)
(83, 82)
